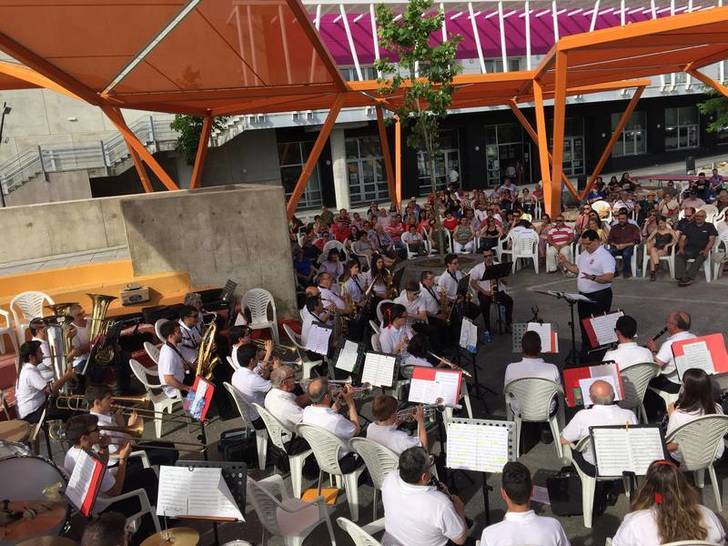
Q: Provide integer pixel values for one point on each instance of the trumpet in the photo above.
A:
(451, 364)
(408, 414)
(332, 382)
(278, 348)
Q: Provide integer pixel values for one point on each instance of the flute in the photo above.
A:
(451, 364)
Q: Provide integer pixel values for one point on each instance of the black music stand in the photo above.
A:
(572, 299)
(496, 272)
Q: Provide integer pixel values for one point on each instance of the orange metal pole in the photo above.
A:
(386, 155)
(398, 161)
(552, 195)
(141, 171)
(201, 153)
(543, 151)
(534, 136)
(314, 155)
(710, 82)
(613, 140)
(114, 114)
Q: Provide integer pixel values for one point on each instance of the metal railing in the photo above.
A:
(104, 154)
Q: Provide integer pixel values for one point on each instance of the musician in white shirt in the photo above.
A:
(627, 353)
(418, 349)
(412, 301)
(450, 278)
(239, 336)
(314, 312)
(603, 412)
(434, 301)
(38, 329)
(355, 284)
(285, 406)
(531, 365)
(384, 430)
(172, 365)
(678, 326)
(81, 341)
(521, 525)
(32, 389)
(324, 412)
(329, 297)
(252, 383)
(484, 290)
(190, 331)
(415, 510)
(395, 334)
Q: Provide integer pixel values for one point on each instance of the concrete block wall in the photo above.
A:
(60, 186)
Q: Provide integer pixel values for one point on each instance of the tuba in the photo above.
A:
(60, 337)
(206, 357)
(102, 347)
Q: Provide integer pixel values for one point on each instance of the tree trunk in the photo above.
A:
(435, 203)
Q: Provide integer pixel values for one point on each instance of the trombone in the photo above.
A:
(77, 402)
(136, 433)
(278, 348)
(451, 364)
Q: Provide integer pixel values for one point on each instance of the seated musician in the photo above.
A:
(172, 365)
(314, 312)
(81, 341)
(521, 525)
(531, 365)
(189, 326)
(338, 305)
(412, 301)
(450, 278)
(252, 381)
(415, 510)
(627, 353)
(32, 389)
(678, 326)
(239, 336)
(324, 412)
(101, 402)
(82, 432)
(384, 430)
(40, 334)
(193, 299)
(285, 406)
(395, 333)
(485, 290)
(355, 284)
(603, 412)
(434, 301)
(418, 350)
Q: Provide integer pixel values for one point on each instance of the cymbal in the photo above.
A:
(47, 541)
(14, 431)
(179, 536)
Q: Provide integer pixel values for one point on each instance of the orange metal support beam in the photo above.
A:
(542, 140)
(534, 136)
(141, 171)
(613, 140)
(386, 155)
(710, 82)
(314, 155)
(114, 114)
(398, 161)
(552, 195)
(201, 153)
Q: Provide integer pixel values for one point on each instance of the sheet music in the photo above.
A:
(469, 335)
(544, 331)
(197, 492)
(626, 449)
(378, 370)
(585, 385)
(318, 339)
(697, 355)
(79, 484)
(604, 327)
(348, 356)
(477, 447)
(445, 387)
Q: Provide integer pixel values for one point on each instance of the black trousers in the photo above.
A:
(662, 383)
(503, 299)
(602, 304)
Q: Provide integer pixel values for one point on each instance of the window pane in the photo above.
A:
(693, 136)
(289, 177)
(509, 132)
(289, 153)
(352, 148)
(670, 138)
(688, 115)
(670, 117)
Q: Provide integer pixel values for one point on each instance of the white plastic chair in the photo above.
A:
(338, 245)
(379, 460)
(636, 379)
(257, 301)
(157, 326)
(357, 534)
(25, 307)
(145, 507)
(711, 211)
(375, 327)
(380, 314)
(290, 518)
(161, 402)
(523, 246)
(447, 240)
(376, 345)
(279, 435)
(152, 350)
(9, 330)
(261, 436)
(326, 447)
(669, 258)
(698, 443)
(231, 363)
(633, 261)
(707, 265)
(533, 396)
(308, 365)
(719, 263)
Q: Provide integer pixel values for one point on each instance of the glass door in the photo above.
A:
(292, 156)
(365, 170)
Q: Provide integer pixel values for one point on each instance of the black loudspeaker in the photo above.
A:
(581, 182)
(564, 489)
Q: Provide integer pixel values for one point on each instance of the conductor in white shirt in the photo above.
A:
(627, 353)
(384, 430)
(603, 412)
(521, 525)
(678, 326)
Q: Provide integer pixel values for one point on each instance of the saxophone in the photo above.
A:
(206, 357)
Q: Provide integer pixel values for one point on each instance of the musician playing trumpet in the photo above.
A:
(384, 430)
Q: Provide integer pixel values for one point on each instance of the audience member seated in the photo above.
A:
(623, 237)
(603, 412)
(384, 430)
(463, 238)
(416, 511)
(332, 265)
(520, 524)
(627, 353)
(658, 243)
(324, 412)
(560, 237)
(414, 241)
(677, 326)
(666, 509)
(696, 240)
(695, 400)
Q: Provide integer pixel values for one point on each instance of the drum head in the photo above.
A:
(24, 477)
(11, 449)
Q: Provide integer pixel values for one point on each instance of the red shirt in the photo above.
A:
(450, 223)
(395, 231)
(341, 232)
(561, 235)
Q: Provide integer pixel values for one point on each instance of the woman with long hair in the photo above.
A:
(658, 242)
(379, 275)
(332, 264)
(695, 400)
(665, 509)
(354, 283)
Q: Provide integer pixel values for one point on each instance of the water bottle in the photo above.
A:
(487, 338)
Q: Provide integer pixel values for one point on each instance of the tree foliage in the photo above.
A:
(716, 105)
(190, 129)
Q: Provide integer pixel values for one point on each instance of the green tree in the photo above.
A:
(190, 129)
(422, 73)
(716, 105)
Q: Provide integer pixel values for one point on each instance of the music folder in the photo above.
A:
(199, 398)
(85, 482)
(577, 382)
(626, 448)
(600, 329)
(469, 335)
(318, 338)
(479, 445)
(707, 353)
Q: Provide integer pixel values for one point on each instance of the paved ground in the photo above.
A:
(648, 302)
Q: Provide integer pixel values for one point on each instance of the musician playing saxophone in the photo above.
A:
(490, 290)
(341, 307)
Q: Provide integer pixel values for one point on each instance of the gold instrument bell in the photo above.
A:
(102, 352)
(206, 357)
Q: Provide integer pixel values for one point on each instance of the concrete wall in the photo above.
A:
(236, 232)
(60, 186)
(50, 229)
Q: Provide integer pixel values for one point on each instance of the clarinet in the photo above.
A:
(659, 334)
